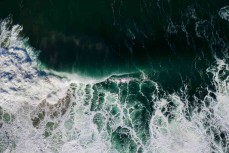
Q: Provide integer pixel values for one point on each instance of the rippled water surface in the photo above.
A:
(114, 76)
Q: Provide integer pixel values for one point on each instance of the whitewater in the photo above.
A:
(41, 111)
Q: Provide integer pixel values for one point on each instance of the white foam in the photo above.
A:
(224, 13)
(188, 136)
(178, 136)
(20, 80)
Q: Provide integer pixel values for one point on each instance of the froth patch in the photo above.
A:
(224, 13)
(179, 135)
(21, 81)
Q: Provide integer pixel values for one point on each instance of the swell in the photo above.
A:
(98, 39)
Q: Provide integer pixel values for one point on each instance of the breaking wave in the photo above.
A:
(44, 112)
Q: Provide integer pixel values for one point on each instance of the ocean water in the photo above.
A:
(114, 77)
(108, 37)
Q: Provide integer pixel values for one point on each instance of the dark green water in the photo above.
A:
(169, 86)
(99, 38)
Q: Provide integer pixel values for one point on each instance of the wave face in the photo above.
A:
(158, 110)
(109, 37)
